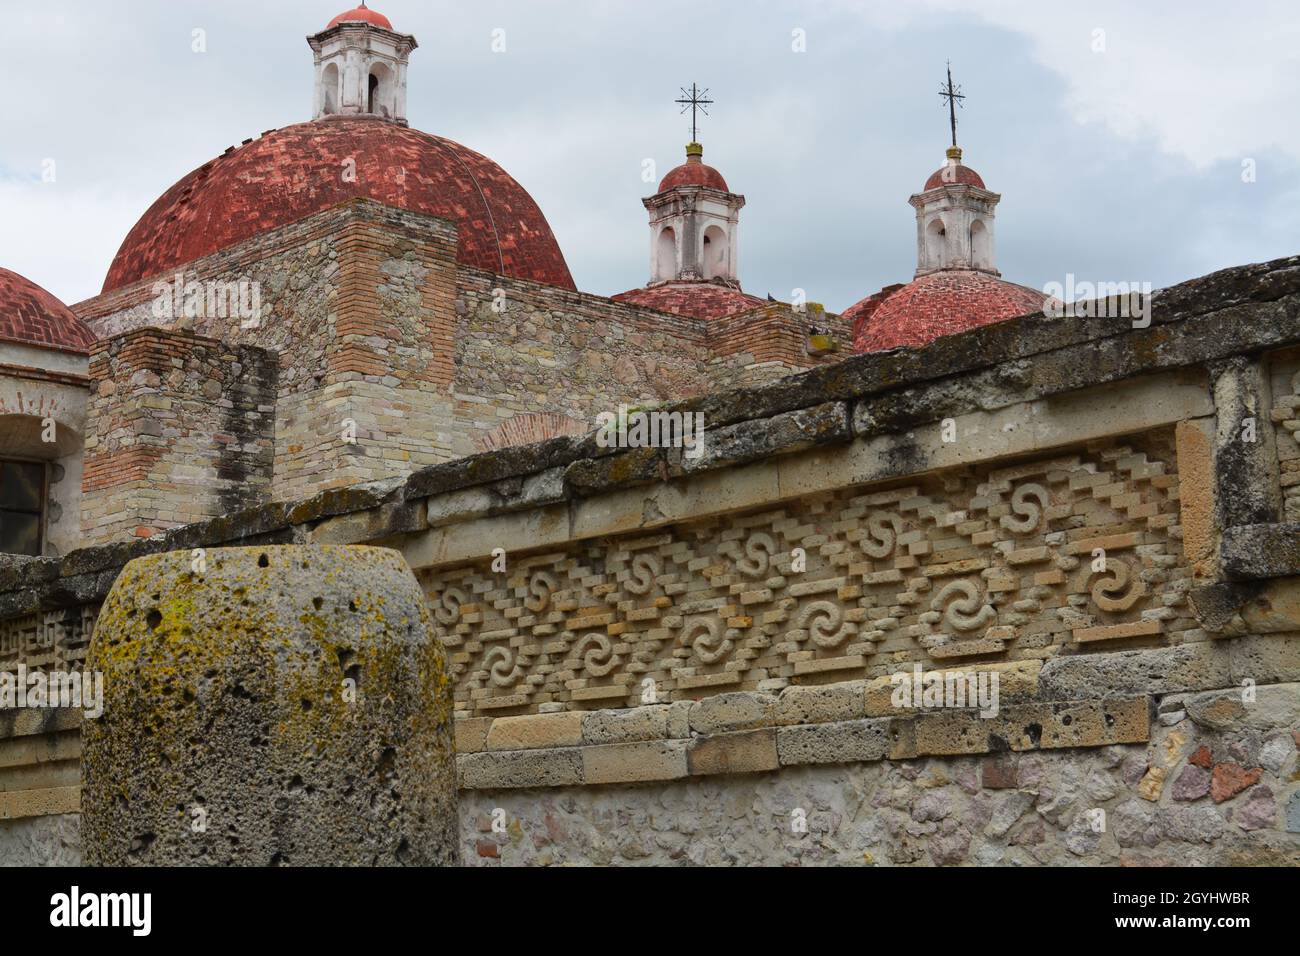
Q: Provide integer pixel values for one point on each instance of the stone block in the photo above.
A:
(634, 762)
(471, 734)
(532, 731)
(736, 711)
(492, 770)
(1156, 671)
(848, 741)
(750, 751)
(821, 703)
(625, 726)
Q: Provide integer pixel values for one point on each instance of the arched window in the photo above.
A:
(981, 245)
(666, 255)
(330, 89)
(379, 97)
(715, 253)
(936, 244)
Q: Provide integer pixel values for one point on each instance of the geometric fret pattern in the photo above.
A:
(1060, 555)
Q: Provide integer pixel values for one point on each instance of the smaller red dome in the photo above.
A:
(953, 174)
(694, 299)
(693, 172)
(935, 305)
(31, 316)
(362, 14)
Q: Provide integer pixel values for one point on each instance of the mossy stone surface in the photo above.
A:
(266, 706)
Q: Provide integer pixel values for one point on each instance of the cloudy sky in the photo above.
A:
(1117, 133)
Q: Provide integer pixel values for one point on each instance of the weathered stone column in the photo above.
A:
(277, 705)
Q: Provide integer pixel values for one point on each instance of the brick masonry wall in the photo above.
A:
(552, 355)
(179, 428)
(356, 303)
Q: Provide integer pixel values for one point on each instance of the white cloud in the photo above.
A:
(1207, 81)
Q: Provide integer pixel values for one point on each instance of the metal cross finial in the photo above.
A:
(694, 99)
(954, 96)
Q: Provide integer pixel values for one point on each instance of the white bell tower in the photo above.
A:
(694, 225)
(954, 220)
(361, 67)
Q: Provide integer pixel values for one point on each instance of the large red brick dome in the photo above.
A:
(938, 304)
(31, 316)
(291, 173)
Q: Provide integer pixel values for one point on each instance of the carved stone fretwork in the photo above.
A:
(1286, 419)
(48, 639)
(983, 564)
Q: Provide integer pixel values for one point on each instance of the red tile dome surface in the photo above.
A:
(361, 14)
(699, 300)
(32, 316)
(956, 175)
(938, 304)
(291, 173)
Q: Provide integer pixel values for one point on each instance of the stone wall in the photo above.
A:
(392, 357)
(180, 428)
(559, 358)
(1185, 797)
(356, 304)
(1091, 512)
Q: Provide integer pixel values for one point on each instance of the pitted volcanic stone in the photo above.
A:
(230, 733)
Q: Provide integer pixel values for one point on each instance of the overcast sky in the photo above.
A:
(1115, 132)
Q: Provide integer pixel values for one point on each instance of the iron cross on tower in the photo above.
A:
(954, 96)
(694, 99)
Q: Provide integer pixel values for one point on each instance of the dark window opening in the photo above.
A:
(374, 88)
(22, 504)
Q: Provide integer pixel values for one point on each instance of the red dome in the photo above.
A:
(693, 172)
(698, 300)
(291, 173)
(953, 175)
(935, 305)
(363, 14)
(32, 316)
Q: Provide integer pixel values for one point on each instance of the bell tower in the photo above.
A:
(361, 67)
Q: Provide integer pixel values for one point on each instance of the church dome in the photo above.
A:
(361, 14)
(954, 174)
(694, 172)
(935, 305)
(31, 316)
(697, 300)
(288, 174)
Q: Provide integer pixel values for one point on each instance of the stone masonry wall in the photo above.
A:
(559, 358)
(1215, 785)
(356, 303)
(179, 428)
